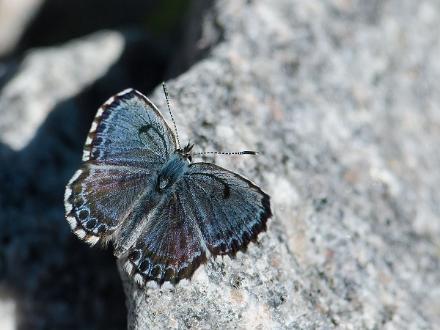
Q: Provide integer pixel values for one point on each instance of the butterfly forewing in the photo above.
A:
(230, 210)
(129, 130)
(128, 143)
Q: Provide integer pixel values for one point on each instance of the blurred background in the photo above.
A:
(59, 60)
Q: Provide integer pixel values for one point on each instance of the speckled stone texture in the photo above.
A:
(342, 98)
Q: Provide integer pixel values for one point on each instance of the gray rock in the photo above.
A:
(51, 76)
(342, 99)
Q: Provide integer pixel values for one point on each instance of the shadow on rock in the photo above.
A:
(56, 280)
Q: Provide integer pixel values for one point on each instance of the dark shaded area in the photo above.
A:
(78, 18)
(58, 281)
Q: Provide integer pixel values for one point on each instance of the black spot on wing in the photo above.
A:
(146, 129)
(226, 188)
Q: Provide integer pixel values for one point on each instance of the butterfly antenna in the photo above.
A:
(165, 90)
(244, 152)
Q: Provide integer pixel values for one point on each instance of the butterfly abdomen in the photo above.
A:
(171, 172)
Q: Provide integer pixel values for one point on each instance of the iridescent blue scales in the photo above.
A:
(164, 214)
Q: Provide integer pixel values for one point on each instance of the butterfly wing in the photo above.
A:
(99, 197)
(129, 130)
(127, 143)
(170, 247)
(229, 210)
(209, 208)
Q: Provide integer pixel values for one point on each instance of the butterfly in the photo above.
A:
(164, 214)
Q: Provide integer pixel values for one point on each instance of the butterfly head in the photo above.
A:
(185, 152)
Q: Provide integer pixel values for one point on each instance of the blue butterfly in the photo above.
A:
(163, 213)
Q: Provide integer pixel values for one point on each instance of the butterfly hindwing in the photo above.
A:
(170, 246)
(99, 197)
(127, 143)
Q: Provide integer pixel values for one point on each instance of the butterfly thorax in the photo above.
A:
(176, 166)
